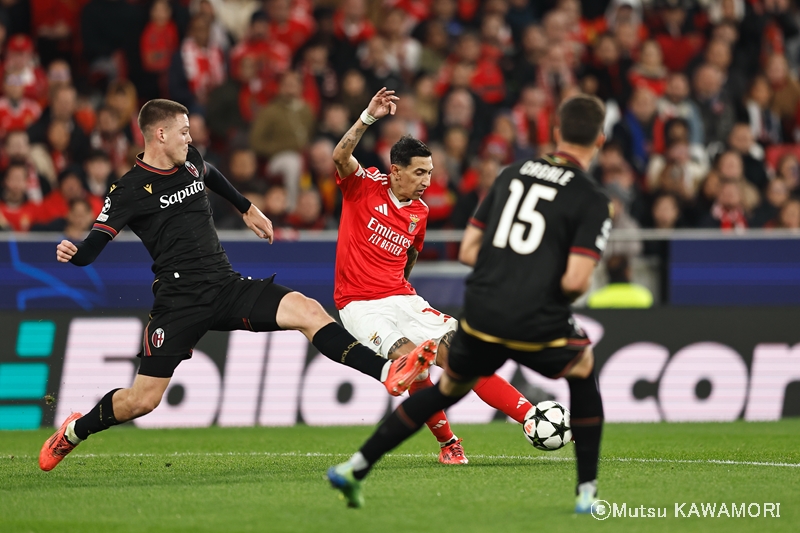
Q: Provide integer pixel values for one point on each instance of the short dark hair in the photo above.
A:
(157, 111)
(581, 119)
(407, 148)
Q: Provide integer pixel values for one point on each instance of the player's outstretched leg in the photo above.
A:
(401, 424)
(503, 396)
(586, 408)
(297, 312)
(451, 451)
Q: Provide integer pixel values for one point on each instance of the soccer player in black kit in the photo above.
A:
(162, 199)
(534, 242)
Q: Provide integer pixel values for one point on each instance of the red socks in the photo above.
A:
(501, 395)
(438, 423)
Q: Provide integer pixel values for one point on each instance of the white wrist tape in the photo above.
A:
(368, 119)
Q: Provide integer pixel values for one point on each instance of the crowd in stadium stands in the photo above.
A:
(702, 101)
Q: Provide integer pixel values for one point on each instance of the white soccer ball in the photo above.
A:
(547, 426)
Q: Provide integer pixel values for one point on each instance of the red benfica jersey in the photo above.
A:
(375, 233)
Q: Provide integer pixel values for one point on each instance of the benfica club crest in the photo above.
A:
(157, 338)
(191, 168)
(413, 225)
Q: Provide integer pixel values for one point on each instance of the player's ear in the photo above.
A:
(557, 134)
(600, 141)
(394, 169)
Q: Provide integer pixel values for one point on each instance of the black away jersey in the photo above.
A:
(170, 212)
(535, 215)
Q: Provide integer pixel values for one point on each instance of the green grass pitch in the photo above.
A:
(271, 479)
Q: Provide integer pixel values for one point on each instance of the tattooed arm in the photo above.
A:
(411, 261)
(382, 104)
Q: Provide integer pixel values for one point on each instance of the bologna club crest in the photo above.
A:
(192, 169)
(157, 338)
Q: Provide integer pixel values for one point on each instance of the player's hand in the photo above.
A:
(65, 250)
(259, 223)
(383, 103)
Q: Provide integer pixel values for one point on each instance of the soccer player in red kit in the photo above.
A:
(381, 233)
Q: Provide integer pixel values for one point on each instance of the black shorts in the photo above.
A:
(471, 356)
(185, 310)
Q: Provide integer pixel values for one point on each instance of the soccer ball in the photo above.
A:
(547, 426)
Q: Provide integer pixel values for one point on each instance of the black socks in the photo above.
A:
(402, 423)
(100, 418)
(586, 410)
(335, 343)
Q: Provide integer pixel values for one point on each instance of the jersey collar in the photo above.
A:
(397, 202)
(570, 158)
(153, 169)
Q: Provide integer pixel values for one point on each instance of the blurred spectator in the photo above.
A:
(198, 66)
(788, 169)
(109, 137)
(531, 118)
(741, 140)
(320, 83)
(666, 213)
(554, 75)
(99, 173)
(20, 60)
(675, 172)
(439, 196)
(16, 212)
(456, 153)
(620, 293)
(500, 143)
(728, 211)
(122, 97)
(218, 35)
(391, 130)
(281, 131)
(308, 213)
(484, 76)
(17, 150)
(234, 15)
(636, 129)
(621, 219)
(322, 172)
(487, 170)
(271, 57)
(775, 197)
(378, 67)
(59, 74)
(275, 206)
(407, 112)
(355, 94)
(242, 173)
(79, 220)
(427, 101)
(675, 103)
(678, 40)
(785, 93)
(16, 111)
(350, 23)
(402, 50)
(157, 44)
(53, 155)
(649, 72)
(459, 111)
(289, 22)
(716, 110)
(201, 139)
(62, 108)
(607, 70)
(435, 44)
(789, 217)
(233, 105)
(56, 205)
(110, 32)
(55, 24)
(764, 122)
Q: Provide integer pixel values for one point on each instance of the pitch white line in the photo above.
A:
(424, 456)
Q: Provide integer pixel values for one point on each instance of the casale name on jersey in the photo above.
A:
(180, 196)
(557, 175)
(388, 239)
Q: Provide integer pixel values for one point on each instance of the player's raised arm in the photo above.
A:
(382, 104)
(252, 216)
(85, 252)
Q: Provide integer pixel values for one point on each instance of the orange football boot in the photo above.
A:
(453, 454)
(57, 447)
(406, 368)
